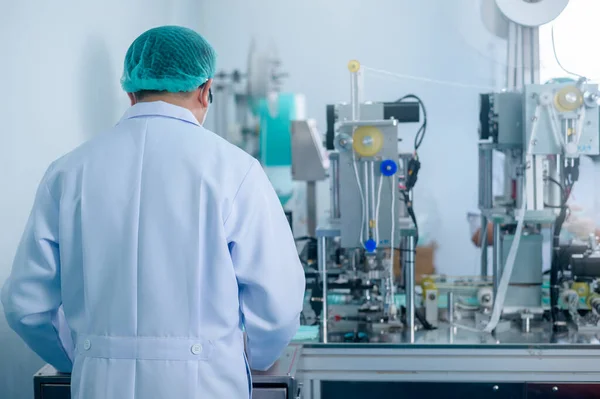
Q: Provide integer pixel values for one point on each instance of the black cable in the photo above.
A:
(411, 213)
(423, 128)
(562, 194)
(571, 176)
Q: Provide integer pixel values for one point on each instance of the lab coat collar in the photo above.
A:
(160, 108)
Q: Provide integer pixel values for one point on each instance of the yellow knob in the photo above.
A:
(568, 99)
(353, 66)
(367, 141)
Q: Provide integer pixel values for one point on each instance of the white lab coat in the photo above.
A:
(585, 196)
(161, 241)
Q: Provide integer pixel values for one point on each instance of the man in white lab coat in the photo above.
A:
(152, 247)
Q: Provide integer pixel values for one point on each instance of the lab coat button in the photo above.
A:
(196, 349)
(87, 345)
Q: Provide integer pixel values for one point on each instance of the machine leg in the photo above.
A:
(322, 259)
(409, 267)
(311, 208)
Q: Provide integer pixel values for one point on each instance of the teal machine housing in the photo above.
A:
(275, 141)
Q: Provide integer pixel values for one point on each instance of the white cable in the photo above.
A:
(428, 80)
(377, 208)
(362, 198)
(508, 269)
(556, 56)
(512, 256)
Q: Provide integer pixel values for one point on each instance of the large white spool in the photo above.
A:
(531, 13)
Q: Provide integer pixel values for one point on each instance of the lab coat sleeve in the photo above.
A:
(270, 275)
(32, 294)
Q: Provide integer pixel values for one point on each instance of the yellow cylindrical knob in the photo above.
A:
(367, 141)
(353, 66)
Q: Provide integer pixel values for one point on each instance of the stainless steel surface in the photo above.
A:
(525, 288)
(308, 160)
(351, 208)
(409, 266)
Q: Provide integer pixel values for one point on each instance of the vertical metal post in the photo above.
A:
(354, 93)
(483, 233)
(367, 198)
(497, 250)
(322, 262)
(371, 190)
(450, 307)
(409, 266)
(334, 159)
(311, 207)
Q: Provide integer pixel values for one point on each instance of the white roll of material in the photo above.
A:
(531, 14)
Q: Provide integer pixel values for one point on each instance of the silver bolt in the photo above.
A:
(495, 387)
(571, 97)
(555, 389)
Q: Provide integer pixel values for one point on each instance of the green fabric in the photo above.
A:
(168, 58)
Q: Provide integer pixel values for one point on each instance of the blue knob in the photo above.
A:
(388, 167)
(370, 245)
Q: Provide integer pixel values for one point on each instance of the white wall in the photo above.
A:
(438, 39)
(576, 40)
(60, 70)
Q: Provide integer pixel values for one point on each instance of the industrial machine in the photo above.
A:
(371, 218)
(252, 112)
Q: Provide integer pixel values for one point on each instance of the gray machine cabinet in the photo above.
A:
(371, 114)
(279, 382)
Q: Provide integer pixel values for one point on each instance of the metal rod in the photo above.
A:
(354, 93)
(334, 159)
(497, 250)
(483, 233)
(409, 266)
(322, 263)
(450, 307)
(311, 207)
(372, 190)
(535, 55)
(367, 209)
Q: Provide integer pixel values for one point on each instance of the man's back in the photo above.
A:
(157, 241)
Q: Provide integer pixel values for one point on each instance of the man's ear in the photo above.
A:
(205, 93)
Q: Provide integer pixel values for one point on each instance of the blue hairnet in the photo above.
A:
(168, 58)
